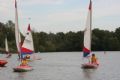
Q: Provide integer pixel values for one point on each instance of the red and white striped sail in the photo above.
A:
(87, 33)
(17, 31)
(28, 47)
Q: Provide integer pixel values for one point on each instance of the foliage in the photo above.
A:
(102, 40)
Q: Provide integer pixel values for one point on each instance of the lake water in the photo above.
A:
(65, 66)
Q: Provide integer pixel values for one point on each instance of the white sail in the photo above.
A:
(87, 32)
(17, 32)
(6, 45)
(28, 47)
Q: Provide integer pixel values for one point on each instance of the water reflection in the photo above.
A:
(88, 73)
(21, 76)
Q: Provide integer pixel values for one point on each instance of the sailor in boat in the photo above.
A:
(94, 60)
(24, 62)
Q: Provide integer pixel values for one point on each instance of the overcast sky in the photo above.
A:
(61, 15)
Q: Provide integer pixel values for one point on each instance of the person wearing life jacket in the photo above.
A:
(94, 59)
(24, 62)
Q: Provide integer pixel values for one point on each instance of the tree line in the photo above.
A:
(102, 40)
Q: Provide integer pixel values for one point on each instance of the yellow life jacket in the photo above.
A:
(93, 59)
(24, 62)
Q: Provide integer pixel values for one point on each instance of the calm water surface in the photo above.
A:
(65, 66)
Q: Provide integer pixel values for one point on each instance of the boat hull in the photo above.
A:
(22, 68)
(3, 63)
(89, 66)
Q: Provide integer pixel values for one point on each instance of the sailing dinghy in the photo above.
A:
(87, 40)
(20, 68)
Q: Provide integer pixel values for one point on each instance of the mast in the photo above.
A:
(90, 9)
